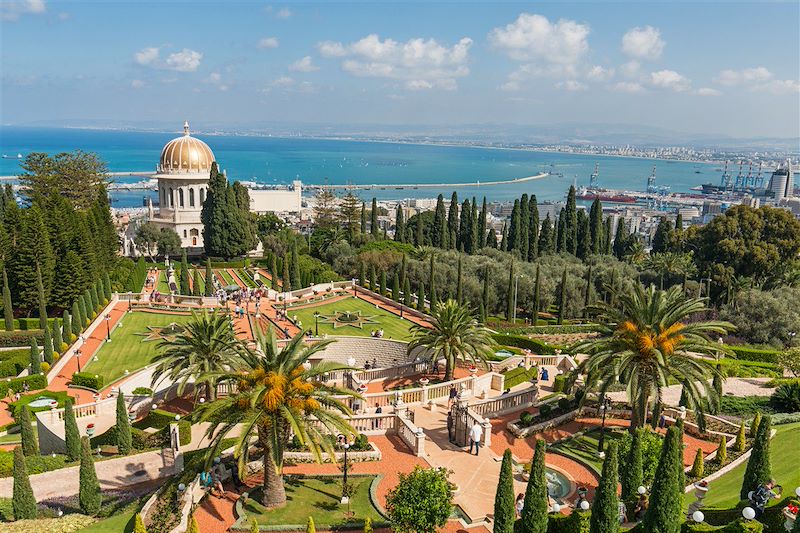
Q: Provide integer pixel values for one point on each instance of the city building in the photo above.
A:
(781, 184)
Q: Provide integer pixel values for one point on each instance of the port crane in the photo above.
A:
(593, 176)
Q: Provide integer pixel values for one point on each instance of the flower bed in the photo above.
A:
(373, 454)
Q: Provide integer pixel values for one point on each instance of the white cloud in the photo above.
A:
(184, 61)
(628, 87)
(535, 37)
(510, 86)
(283, 81)
(598, 73)
(630, 69)
(283, 13)
(707, 91)
(12, 10)
(146, 56)
(303, 64)
(643, 43)
(571, 85)
(137, 84)
(289, 84)
(779, 87)
(420, 63)
(669, 79)
(743, 76)
(268, 42)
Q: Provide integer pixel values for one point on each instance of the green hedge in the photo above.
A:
(88, 380)
(20, 338)
(575, 522)
(738, 526)
(28, 324)
(749, 369)
(743, 353)
(744, 405)
(518, 375)
(35, 464)
(534, 345)
(35, 382)
(12, 362)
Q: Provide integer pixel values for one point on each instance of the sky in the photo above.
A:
(730, 68)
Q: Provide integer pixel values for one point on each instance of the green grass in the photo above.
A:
(246, 279)
(200, 279)
(121, 523)
(318, 498)
(61, 397)
(724, 492)
(584, 447)
(393, 326)
(163, 286)
(128, 349)
(227, 278)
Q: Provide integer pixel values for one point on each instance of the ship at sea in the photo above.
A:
(594, 192)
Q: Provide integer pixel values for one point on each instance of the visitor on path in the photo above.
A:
(623, 512)
(475, 434)
(520, 503)
(545, 375)
(641, 508)
(205, 480)
(436, 367)
(376, 423)
(452, 396)
(450, 426)
(763, 494)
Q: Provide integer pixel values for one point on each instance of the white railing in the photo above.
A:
(413, 436)
(374, 424)
(406, 369)
(507, 403)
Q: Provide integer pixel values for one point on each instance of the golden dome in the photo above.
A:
(185, 155)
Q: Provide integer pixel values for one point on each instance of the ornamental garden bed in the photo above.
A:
(303, 457)
(318, 497)
(549, 416)
(366, 318)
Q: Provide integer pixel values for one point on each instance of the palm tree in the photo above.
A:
(646, 340)
(278, 394)
(205, 345)
(454, 334)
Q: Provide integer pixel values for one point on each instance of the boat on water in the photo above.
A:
(584, 193)
(18, 156)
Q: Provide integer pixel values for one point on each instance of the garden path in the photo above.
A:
(731, 386)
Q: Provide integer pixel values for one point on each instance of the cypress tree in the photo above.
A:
(571, 219)
(452, 221)
(373, 279)
(465, 228)
(562, 299)
(534, 510)
(209, 282)
(665, 513)
(524, 220)
(514, 230)
(421, 297)
(661, 238)
(72, 437)
(396, 287)
(504, 238)
(8, 310)
(310, 526)
(605, 508)
(363, 224)
(459, 281)
(399, 225)
(419, 236)
(632, 475)
(36, 358)
(545, 231)
(482, 313)
(620, 239)
(536, 296)
(58, 339)
(403, 269)
(408, 298)
(722, 451)
(48, 347)
(66, 328)
(491, 239)
(42, 299)
(607, 238)
(485, 292)
(84, 311)
(75, 318)
(596, 226)
(440, 233)
(124, 442)
(362, 274)
(107, 292)
(758, 469)
(716, 383)
(482, 225)
(698, 466)
(432, 280)
(741, 441)
(184, 275)
(138, 524)
(533, 228)
(196, 283)
(296, 283)
(382, 286)
(286, 282)
(754, 425)
(373, 219)
(23, 502)
(584, 236)
(89, 496)
(561, 232)
(93, 296)
(510, 293)
(475, 236)
(504, 511)
(587, 296)
(30, 447)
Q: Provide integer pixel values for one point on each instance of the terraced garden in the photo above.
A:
(352, 316)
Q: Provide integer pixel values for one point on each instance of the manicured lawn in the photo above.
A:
(584, 447)
(724, 492)
(60, 397)
(393, 326)
(130, 349)
(163, 286)
(226, 278)
(318, 498)
(245, 277)
(121, 523)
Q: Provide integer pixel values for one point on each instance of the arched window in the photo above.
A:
(184, 233)
(202, 195)
(194, 232)
(180, 197)
(171, 198)
(194, 241)
(191, 197)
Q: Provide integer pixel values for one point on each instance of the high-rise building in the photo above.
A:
(782, 182)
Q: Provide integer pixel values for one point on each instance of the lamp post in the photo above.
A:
(316, 324)
(78, 358)
(345, 490)
(130, 297)
(108, 327)
(605, 404)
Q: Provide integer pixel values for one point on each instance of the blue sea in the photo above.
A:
(273, 160)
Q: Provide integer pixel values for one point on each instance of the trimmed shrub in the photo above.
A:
(559, 383)
(605, 511)
(35, 382)
(310, 526)
(754, 425)
(124, 439)
(12, 362)
(85, 379)
(518, 341)
(722, 451)
(534, 510)
(743, 353)
(36, 358)
(89, 496)
(758, 466)
(24, 503)
(30, 446)
(698, 467)
(138, 524)
(665, 512)
(517, 375)
(367, 525)
(632, 475)
(10, 339)
(142, 391)
(741, 440)
(504, 511)
(72, 436)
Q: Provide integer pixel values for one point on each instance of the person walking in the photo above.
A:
(452, 396)
(763, 494)
(475, 434)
